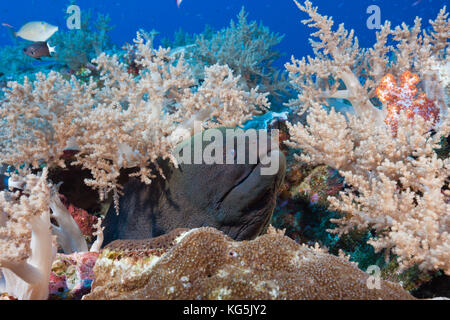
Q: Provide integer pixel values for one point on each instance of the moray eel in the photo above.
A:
(234, 198)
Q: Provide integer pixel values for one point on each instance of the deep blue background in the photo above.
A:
(281, 16)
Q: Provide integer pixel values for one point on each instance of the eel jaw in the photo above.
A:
(258, 194)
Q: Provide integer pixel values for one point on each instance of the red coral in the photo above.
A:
(403, 97)
(84, 220)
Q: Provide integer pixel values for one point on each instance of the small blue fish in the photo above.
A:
(179, 3)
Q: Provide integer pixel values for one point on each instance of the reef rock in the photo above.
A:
(204, 263)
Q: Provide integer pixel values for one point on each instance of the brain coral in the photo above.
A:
(204, 263)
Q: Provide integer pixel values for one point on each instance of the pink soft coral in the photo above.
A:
(403, 97)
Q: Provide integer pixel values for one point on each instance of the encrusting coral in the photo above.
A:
(396, 184)
(206, 264)
(120, 121)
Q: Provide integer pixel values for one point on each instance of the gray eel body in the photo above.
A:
(234, 198)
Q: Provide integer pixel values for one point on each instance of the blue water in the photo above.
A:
(280, 16)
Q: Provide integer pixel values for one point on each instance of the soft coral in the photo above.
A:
(403, 97)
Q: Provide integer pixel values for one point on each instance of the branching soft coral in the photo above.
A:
(69, 235)
(396, 183)
(342, 70)
(40, 118)
(27, 247)
(248, 49)
(125, 122)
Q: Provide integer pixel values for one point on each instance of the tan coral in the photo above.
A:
(39, 118)
(206, 264)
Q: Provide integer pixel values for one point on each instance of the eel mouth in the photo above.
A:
(240, 182)
(256, 181)
(252, 199)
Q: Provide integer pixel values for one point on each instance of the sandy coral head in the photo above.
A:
(206, 264)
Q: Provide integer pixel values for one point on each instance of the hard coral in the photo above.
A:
(403, 97)
(205, 264)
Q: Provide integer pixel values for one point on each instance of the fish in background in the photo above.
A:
(39, 49)
(36, 31)
(179, 3)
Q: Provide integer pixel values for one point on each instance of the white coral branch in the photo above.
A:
(26, 244)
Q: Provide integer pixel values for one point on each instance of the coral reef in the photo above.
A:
(247, 48)
(15, 65)
(205, 264)
(237, 198)
(74, 51)
(13, 61)
(366, 141)
(303, 212)
(316, 186)
(396, 184)
(34, 223)
(342, 71)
